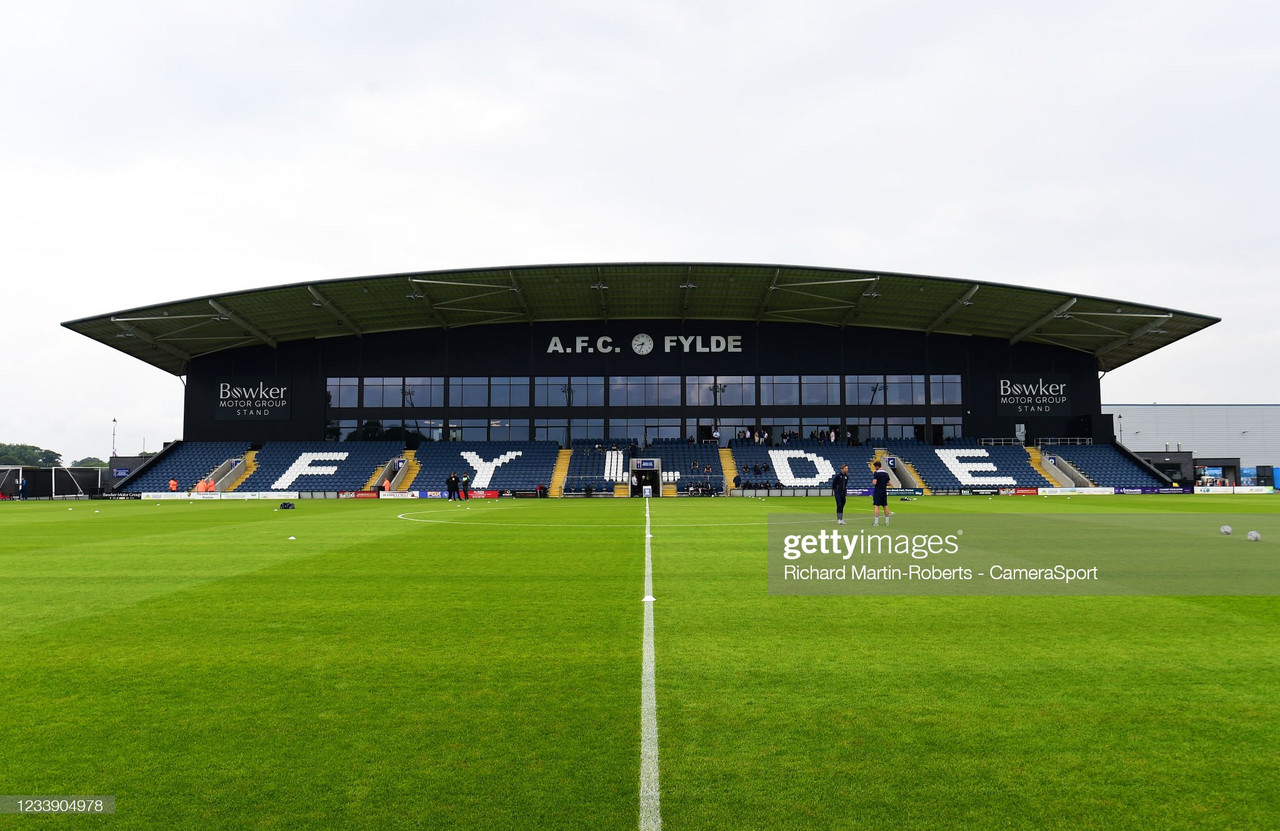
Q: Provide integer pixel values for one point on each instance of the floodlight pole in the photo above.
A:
(114, 452)
(717, 390)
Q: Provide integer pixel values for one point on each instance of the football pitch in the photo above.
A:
(390, 664)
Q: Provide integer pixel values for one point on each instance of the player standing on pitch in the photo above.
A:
(879, 493)
(840, 490)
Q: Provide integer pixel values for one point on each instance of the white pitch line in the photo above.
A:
(650, 810)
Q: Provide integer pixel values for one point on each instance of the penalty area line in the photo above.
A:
(650, 812)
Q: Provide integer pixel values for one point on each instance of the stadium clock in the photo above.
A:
(642, 344)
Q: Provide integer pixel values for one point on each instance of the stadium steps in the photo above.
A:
(729, 466)
(372, 484)
(560, 473)
(915, 474)
(883, 453)
(669, 489)
(621, 489)
(1037, 462)
(250, 465)
(411, 469)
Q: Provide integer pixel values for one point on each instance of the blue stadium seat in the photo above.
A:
(188, 462)
(1105, 465)
(319, 465)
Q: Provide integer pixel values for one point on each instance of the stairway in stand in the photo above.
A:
(560, 474)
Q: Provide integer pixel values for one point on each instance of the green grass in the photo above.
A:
(481, 669)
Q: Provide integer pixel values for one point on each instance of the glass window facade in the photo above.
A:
(945, 389)
(864, 390)
(946, 427)
(720, 390)
(780, 390)
(501, 408)
(904, 389)
(342, 392)
(906, 427)
(819, 390)
(568, 391)
(469, 392)
(644, 390)
(509, 392)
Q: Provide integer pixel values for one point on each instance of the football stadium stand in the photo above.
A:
(596, 464)
(799, 463)
(690, 467)
(492, 465)
(965, 463)
(188, 462)
(318, 465)
(1105, 465)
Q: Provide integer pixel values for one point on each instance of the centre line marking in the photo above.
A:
(650, 811)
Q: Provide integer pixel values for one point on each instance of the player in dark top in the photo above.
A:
(880, 493)
(840, 489)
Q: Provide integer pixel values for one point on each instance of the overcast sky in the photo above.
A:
(151, 151)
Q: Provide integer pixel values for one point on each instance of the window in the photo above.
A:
(820, 428)
(862, 428)
(342, 392)
(945, 389)
(722, 390)
(946, 427)
(564, 430)
(700, 391)
(424, 392)
(341, 429)
(418, 430)
(644, 390)
(566, 391)
(906, 427)
(509, 392)
(904, 389)
(468, 392)
(819, 389)
(509, 429)
(586, 428)
(777, 427)
(468, 429)
(394, 392)
(382, 392)
(864, 390)
(780, 389)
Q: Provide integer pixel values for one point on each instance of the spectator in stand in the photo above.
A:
(173, 485)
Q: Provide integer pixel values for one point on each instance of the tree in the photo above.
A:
(89, 461)
(29, 454)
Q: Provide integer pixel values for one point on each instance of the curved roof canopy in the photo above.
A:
(168, 335)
